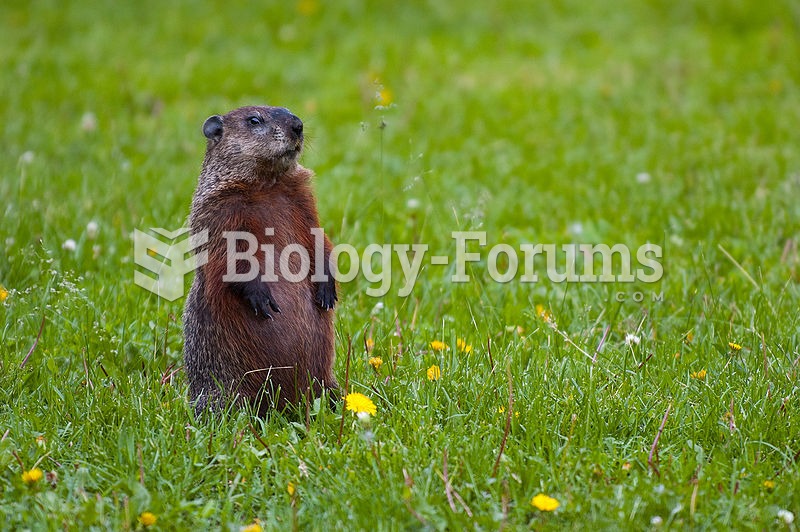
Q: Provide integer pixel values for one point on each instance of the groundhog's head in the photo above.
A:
(263, 139)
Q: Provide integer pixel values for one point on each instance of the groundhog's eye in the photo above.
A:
(254, 120)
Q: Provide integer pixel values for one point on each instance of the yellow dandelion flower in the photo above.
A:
(253, 527)
(463, 346)
(689, 337)
(734, 346)
(699, 375)
(307, 7)
(33, 476)
(434, 373)
(370, 344)
(543, 313)
(148, 519)
(383, 97)
(544, 503)
(376, 363)
(3, 293)
(436, 345)
(501, 410)
(358, 402)
(769, 485)
(290, 488)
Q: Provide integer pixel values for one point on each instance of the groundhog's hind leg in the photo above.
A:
(207, 401)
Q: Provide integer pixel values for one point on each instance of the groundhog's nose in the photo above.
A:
(287, 119)
(296, 124)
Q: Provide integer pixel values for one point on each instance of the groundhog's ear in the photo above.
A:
(212, 128)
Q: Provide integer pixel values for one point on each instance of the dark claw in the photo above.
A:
(261, 304)
(326, 295)
(258, 296)
(273, 304)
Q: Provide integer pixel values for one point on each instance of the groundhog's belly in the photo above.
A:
(297, 344)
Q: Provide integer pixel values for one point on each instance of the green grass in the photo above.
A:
(520, 120)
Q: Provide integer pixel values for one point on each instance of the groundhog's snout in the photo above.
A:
(291, 124)
(296, 125)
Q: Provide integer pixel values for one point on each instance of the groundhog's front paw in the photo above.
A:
(326, 295)
(258, 297)
(262, 304)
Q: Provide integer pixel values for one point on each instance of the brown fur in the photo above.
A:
(250, 181)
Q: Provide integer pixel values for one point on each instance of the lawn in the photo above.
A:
(636, 405)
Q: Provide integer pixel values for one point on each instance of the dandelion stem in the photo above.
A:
(399, 334)
(416, 515)
(739, 266)
(260, 440)
(504, 498)
(141, 463)
(307, 401)
(166, 334)
(169, 372)
(19, 460)
(643, 362)
(86, 371)
(508, 419)
(654, 447)
(346, 385)
(731, 418)
(35, 343)
(693, 499)
(448, 489)
(107, 376)
(601, 344)
(570, 342)
(489, 351)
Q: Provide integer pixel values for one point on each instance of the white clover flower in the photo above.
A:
(412, 204)
(92, 229)
(643, 177)
(368, 436)
(88, 122)
(632, 339)
(575, 228)
(786, 516)
(69, 245)
(27, 157)
(302, 468)
(656, 520)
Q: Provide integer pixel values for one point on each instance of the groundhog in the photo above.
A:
(268, 342)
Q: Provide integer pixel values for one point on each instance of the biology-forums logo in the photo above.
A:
(164, 258)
